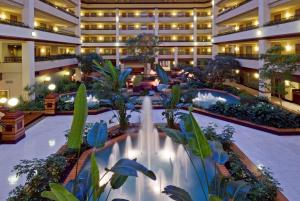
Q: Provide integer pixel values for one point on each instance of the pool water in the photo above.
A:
(206, 98)
(170, 164)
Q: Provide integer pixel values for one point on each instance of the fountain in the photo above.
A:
(168, 160)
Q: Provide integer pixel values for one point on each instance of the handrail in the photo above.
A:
(13, 59)
(67, 33)
(283, 20)
(247, 28)
(55, 57)
(66, 10)
(233, 7)
(12, 22)
(241, 56)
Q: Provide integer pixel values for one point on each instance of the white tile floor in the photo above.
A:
(281, 154)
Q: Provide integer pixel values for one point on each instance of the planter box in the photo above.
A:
(13, 130)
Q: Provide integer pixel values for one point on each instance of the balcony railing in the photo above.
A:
(241, 56)
(239, 30)
(55, 57)
(204, 53)
(12, 22)
(142, 15)
(97, 28)
(98, 41)
(233, 7)
(62, 32)
(95, 15)
(283, 20)
(174, 41)
(66, 10)
(12, 59)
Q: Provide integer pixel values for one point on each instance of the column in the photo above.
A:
(77, 13)
(214, 49)
(156, 28)
(176, 56)
(28, 13)
(98, 50)
(117, 37)
(28, 69)
(264, 13)
(195, 29)
(78, 50)
(156, 25)
(264, 85)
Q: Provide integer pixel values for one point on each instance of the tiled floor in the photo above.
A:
(281, 154)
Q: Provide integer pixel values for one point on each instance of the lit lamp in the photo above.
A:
(47, 79)
(13, 102)
(52, 87)
(237, 71)
(67, 73)
(256, 75)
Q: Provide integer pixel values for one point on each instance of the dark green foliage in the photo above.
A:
(259, 112)
(39, 173)
(263, 188)
(86, 61)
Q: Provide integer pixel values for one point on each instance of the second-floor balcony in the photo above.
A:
(283, 20)
(12, 59)
(54, 57)
(241, 56)
(12, 22)
(226, 10)
(241, 29)
(59, 31)
(66, 10)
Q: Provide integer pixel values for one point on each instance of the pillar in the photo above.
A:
(264, 85)
(176, 56)
(28, 13)
(156, 25)
(195, 29)
(78, 50)
(28, 69)
(98, 50)
(264, 13)
(117, 37)
(214, 49)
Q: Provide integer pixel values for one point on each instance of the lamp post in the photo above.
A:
(51, 100)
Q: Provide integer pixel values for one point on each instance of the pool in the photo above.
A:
(206, 98)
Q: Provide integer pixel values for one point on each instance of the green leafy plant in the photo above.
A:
(278, 67)
(171, 105)
(193, 140)
(39, 173)
(110, 86)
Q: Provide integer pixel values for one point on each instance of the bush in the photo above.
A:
(39, 173)
(259, 112)
(264, 188)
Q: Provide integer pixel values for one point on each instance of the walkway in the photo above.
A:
(281, 154)
(285, 104)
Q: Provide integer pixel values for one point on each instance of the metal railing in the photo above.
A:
(12, 59)
(12, 22)
(66, 10)
(241, 56)
(247, 28)
(233, 7)
(51, 30)
(55, 57)
(283, 20)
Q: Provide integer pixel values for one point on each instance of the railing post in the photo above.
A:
(50, 103)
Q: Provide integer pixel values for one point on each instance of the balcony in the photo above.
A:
(66, 10)
(226, 10)
(222, 33)
(51, 30)
(55, 61)
(243, 8)
(95, 31)
(12, 60)
(241, 56)
(175, 31)
(283, 20)
(139, 18)
(12, 22)
(54, 57)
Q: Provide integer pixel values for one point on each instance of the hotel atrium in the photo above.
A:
(149, 100)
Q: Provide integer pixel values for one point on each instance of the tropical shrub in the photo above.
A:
(259, 112)
(171, 105)
(39, 173)
(110, 86)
